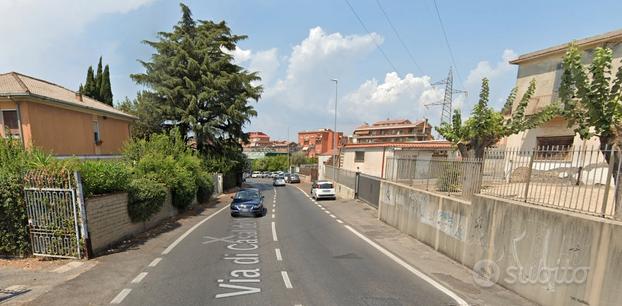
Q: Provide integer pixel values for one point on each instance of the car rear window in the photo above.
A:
(325, 185)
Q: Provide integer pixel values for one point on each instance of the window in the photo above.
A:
(359, 156)
(96, 135)
(10, 123)
(554, 148)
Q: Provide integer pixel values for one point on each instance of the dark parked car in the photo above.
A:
(294, 179)
(247, 201)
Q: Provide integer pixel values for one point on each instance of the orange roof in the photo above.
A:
(392, 121)
(17, 84)
(431, 144)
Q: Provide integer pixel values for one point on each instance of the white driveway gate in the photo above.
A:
(53, 213)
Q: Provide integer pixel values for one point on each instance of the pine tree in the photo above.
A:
(197, 85)
(89, 84)
(105, 90)
(81, 89)
(98, 80)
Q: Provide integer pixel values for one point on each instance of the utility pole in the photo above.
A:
(335, 133)
(289, 160)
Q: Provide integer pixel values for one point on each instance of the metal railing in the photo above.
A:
(342, 176)
(450, 177)
(580, 179)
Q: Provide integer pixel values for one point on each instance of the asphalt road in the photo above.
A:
(303, 255)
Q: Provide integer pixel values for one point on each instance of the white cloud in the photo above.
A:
(395, 97)
(266, 62)
(485, 70)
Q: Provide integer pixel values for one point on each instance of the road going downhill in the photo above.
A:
(299, 253)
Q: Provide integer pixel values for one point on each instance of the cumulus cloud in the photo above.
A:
(484, 69)
(266, 62)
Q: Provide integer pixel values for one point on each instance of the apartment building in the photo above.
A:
(257, 139)
(319, 141)
(393, 131)
(545, 66)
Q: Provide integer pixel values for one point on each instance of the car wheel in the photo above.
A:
(233, 215)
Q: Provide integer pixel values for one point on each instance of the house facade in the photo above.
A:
(314, 143)
(58, 120)
(398, 130)
(545, 67)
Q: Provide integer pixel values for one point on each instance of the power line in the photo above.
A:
(372, 37)
(451, 53)
(412, 58)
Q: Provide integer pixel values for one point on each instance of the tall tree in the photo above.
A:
(194, 82)
(98, 80)
(592, 104)
(485, 127)
(149, 116)
(105, 90)
(89, 84)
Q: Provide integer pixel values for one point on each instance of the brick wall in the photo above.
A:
(109, 222)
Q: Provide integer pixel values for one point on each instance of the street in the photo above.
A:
(297, 254)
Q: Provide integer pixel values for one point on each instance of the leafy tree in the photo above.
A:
(592, 103)
(149, 116)
(485, 127)
(105, 91)
(194, 83)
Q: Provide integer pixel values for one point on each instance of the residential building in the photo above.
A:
(544, 66)
(58, 120)
(260, 146)
(397, 130)
(371, 158)
(257, 139)
(318, 142)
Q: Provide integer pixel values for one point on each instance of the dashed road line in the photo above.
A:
(339, 221)
(155, 262)
(410, 268)
(333, 216)
(272, 216)
(288, 283)
(119, 298)
(278, 254)
(327, 212)
(139, 277)
(274, 238)
(190, 230)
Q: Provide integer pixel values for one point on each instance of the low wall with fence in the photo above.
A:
(549, 256)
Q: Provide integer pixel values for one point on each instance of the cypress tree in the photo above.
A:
(81, 89)
(89, 85)
(98, 80)
(105, 90)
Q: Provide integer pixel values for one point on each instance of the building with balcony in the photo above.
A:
(545, 67)
(318, 142)
(257, 139)
(393, 131)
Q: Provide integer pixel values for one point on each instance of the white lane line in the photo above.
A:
(119, 298)
(190, 230)
(410, 268)
(333, 216)
(288, 283)
(339, 221)
(323, 208)
(327, 212)
(139, 277)
(155, 262)
(272, 216)
(274, 238)
(278, 254)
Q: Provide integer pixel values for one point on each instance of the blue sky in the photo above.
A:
(298, 46)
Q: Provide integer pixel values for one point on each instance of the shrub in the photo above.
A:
(205, 187)
(101, 177)
(184, 188)
(14, 221)
(146, 196)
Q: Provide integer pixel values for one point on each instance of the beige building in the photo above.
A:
(545, 67)
(371, 158)
(397, 130)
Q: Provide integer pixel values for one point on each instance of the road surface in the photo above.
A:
(297, 254)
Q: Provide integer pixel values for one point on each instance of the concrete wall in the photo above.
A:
(109, 222)
(529, 245)
(343, 192)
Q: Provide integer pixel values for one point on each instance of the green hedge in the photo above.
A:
(102, 177)
(205, 187)
(146, 196)
(14, 238)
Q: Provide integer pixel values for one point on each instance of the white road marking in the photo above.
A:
(278, 254)
(410, 268)
(339, 221)
(139, 277)
(66, 267)
(155, 262)
(327, 212)
(190, 230)
(119, 298)
(288, 283)
(324, 209)
(333, 216)
(274, 238)
(272, 216)
(273, 210)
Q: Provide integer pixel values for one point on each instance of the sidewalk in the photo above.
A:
(95, 281)
(441, 268)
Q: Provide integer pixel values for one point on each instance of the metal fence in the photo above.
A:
(368, 189)
(341, 176)
(447, 176)
(580, 179)
(310, 170)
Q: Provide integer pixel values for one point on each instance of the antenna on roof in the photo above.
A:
(447, 103)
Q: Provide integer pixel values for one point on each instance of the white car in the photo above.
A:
(278, 181)
(256, 174)
(323, 190)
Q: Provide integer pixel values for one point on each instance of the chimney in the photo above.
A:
(78, 96)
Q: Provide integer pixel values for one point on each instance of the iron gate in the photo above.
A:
(53, 213)
(368, 189)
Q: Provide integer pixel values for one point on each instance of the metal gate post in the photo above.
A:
(357, 175)
(83, 217)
